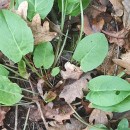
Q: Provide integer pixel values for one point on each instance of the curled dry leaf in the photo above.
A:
(58, 114)
(72, 71)
(99, 117)
(118, 7)
(74, 89)
(3, 111)
(95, 10)
(49, 96)
(87, 28)
(40, 86)
(96, 25)
(126, 57)
(41, 33)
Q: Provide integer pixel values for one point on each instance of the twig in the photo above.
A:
(39, 107)
(77, 116)
(25, 124)
(16, 117)
(118, 52)
(82, 22)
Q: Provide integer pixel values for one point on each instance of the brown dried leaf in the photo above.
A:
(126, 16)
(59, 114)
(87, 28)
(98, 25)
(75, 89)
(99, 117)
(41, 33)
(118, 7)
(73, 125)
(124, 62)
(40, 86)
(104, 2)
(72, 71)
(126, 57)
(119, 38)
(49, 96)
(22, 9)
(3, 111)
(4, 4)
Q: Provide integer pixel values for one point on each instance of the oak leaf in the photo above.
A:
(41, 33)
(74, 90)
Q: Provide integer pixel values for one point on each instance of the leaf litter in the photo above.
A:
(75, 81)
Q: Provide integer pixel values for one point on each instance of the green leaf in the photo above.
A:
(10, 93)
(98, 127)
(108, 83)
(73, 6)
(43, 55)
(22, 69)
(91, 51)
(42, 7)
(3, 71)
(103, 88)
(120, 107)
(123, 124)
(18, 2)
(103, 98)
(55, 71)
(16, 39)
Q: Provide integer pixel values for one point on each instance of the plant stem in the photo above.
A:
(25, 124)
(63, 45)
(35, 71)
(29, 91)
(62, 26)
(32, 68)
(11, 77)
(121, 74)
(77, 116)
(82, 22)
(16, 117)
(15, 72)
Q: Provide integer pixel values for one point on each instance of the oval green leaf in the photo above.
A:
(91, 51)
(43, 55)
(107, 98)
(16, 39)
(3, 71)
(22, 69)
(123, 124)
(120, 107)
(108, 83)
(10, 93)
(42, 7)
(55, 71)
